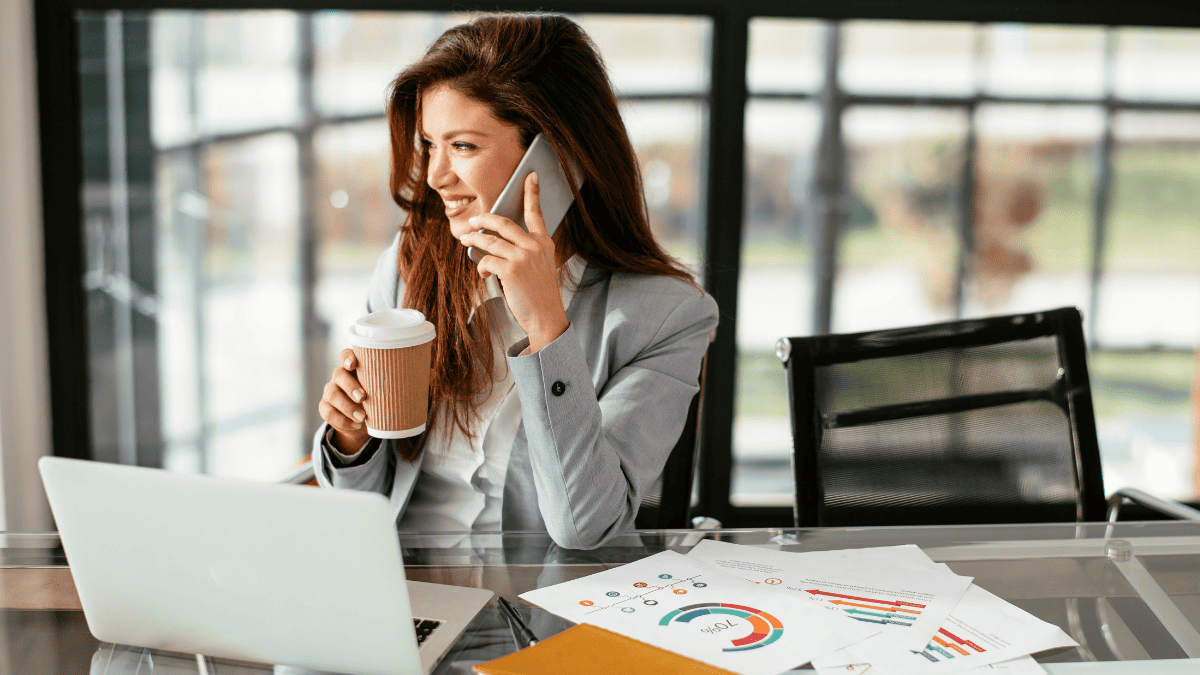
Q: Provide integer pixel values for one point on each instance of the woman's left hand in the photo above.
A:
(526, 265)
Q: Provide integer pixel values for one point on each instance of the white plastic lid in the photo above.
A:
(391, 329)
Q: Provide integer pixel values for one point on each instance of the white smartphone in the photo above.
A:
(554, 192)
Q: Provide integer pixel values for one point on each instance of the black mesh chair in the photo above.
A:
(978, 421)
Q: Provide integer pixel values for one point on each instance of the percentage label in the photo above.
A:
(717, 628)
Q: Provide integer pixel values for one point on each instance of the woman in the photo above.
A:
(557, 412)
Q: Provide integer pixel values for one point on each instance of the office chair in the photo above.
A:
(669, 500)
(976, 421)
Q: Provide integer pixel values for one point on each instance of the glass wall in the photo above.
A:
(979, 169)
(775, 289)
(235, 203)
(1144, 383)
(898, 244)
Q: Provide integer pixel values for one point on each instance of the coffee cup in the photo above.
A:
(393, 348)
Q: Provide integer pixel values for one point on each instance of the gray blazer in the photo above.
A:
(589, 448)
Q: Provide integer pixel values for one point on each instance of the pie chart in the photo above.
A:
(766, 628)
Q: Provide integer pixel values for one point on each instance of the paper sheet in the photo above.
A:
(691, 609)
(1025, 665)
(896, 587)
(982, 630)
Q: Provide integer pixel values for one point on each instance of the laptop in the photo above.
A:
(264, 572)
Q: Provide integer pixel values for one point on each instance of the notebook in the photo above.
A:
(282, 574)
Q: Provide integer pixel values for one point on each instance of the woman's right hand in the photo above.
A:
(341, 406)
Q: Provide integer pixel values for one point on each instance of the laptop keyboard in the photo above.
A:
(424, 628)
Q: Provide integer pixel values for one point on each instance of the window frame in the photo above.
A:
(61, 151)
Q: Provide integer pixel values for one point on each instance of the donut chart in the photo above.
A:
(766, 628)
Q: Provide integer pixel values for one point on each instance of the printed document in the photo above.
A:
(890, 587)
(983, 629)
(1024, 665)
(678, 604)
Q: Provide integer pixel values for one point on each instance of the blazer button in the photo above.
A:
(558, 388)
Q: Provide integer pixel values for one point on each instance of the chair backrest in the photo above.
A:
(668, 503)
(976, 421)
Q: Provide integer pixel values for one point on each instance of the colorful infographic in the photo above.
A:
(930, 620)
(675, 603)
(947, 645)
(895, 612)
(982, 630)
(767, 628)
(882, 587)
(628, 602)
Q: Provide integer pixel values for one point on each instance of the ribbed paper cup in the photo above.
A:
(393, 348)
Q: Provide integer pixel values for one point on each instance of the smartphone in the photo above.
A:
(554, 191)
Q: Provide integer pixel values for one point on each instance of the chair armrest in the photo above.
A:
(1168, 507)
(299, 475)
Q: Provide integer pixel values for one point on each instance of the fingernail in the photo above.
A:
(358, 394)
(473, 219)
(357, 426)
(463, 239)
(348, 363)
(535, 181)
(358, 415)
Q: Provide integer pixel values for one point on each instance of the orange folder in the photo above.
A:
(585, 650)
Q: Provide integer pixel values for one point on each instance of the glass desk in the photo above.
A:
(1126, 593)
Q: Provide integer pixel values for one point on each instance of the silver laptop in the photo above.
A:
(282, 574)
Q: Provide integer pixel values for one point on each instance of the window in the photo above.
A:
(979, 169)
(869, 173)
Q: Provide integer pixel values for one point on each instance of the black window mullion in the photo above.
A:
(58, 79)
(1104, 183)
(141, 249)
(830, 174)
(722, 251)
(966, 212)
(314, 330)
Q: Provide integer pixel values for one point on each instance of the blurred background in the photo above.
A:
(895, 173)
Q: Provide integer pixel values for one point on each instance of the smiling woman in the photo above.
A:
(556, 396)
(469, 177)
(470, 152)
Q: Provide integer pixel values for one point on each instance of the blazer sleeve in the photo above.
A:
(377, 474)
(595, 453)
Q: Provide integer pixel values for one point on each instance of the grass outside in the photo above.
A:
(761, 388)
(1142, 384)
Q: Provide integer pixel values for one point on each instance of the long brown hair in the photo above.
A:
(542, 74)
